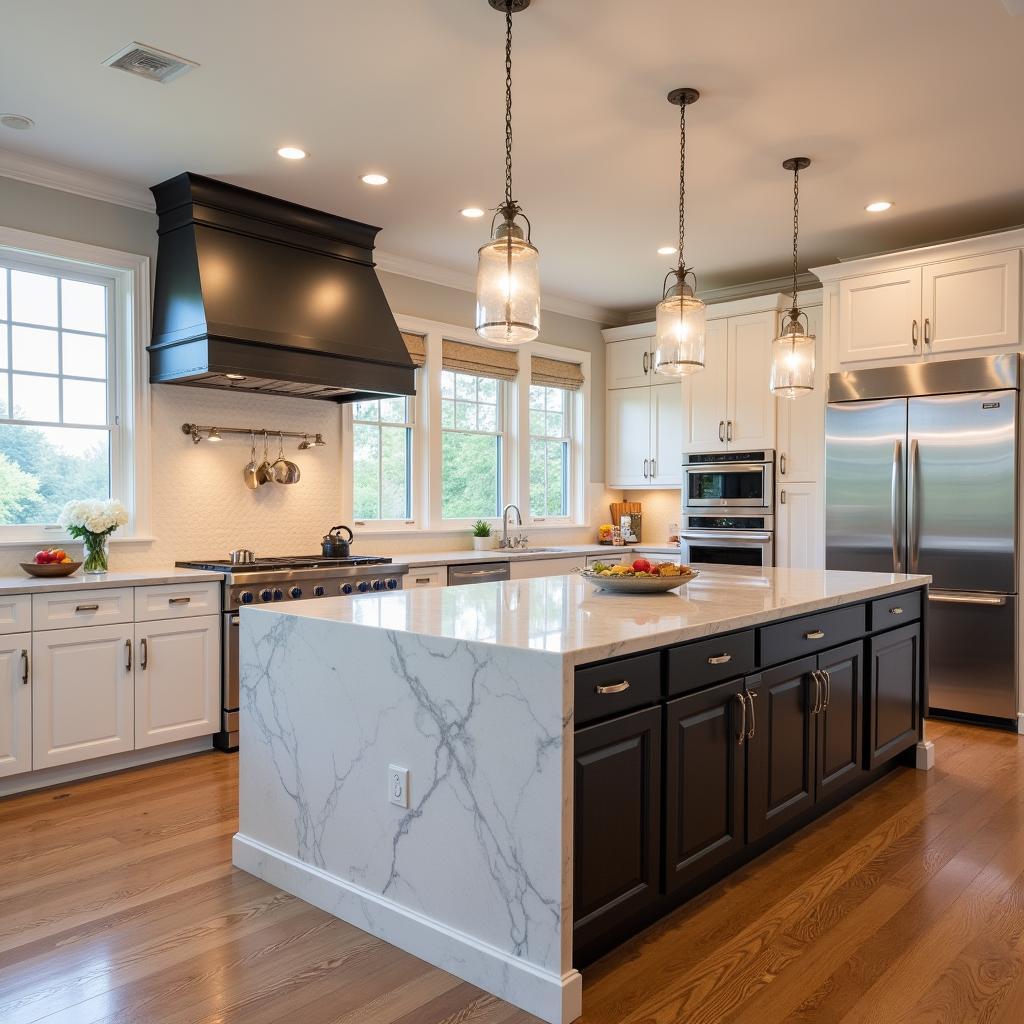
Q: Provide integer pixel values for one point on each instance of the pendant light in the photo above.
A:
(793, 350)
(681, 316)
(508, 278)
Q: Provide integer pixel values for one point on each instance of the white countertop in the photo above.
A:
(551, 551)
(566, 615)
(136, 578)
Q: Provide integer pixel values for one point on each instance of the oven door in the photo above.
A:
(725, 547)
(737, 485)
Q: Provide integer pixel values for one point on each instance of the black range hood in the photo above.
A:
(257, 294)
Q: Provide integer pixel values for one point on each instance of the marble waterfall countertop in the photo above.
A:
(105, 581)
(566, 615)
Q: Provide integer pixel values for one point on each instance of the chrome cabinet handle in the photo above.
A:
(913, 333)
(815, 634)
(782, 496)
(721, 431)
(742, 698)
(24, 667)
(87, 607)
(828, 688)
(728, 437)
(817, 692)
(613, 687)
(646, 465)
(927, 331)
(178, 600)
(753, 718)
(645, 362)
(654, 468)
(145, 653)
(896, 611)
(782, 464)
(128, 654)
(720, 659)
(940, 598)
(894, 504)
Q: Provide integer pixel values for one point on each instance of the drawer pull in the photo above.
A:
(423, 579)
(178, 600)
(720, 659)
(815, 634)
(613, 687)
(896, 611)
(87, 607)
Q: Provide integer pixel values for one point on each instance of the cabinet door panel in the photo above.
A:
(704, 782)
(877, 314)
(840, 723)
(628, 363)
(15, 704)
(894, 686)
(177, 679)
(973, 302)
(704, 394)
(82, 694)
(801, 421)
(667, 435)
(617, 840)
(799, 527)
(628, 449)
(750, 405)
(780, 754)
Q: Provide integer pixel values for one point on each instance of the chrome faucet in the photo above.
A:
(505, 543)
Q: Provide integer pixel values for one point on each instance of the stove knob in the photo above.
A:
(378, 584)
(364, 586)
(278, 594)
(319, 591)
(295, 592)
(392, 584)
(266, 595)
(245, 597)
(346, 588)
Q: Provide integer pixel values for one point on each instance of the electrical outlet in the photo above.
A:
(398, 785)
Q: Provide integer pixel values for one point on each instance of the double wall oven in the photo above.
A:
(728, 508)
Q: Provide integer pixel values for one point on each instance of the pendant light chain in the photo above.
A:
(508, 104)
(796, 228)
(682, 184)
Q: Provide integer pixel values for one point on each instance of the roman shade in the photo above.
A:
(556, 373)
(416, 345)
(496, 363)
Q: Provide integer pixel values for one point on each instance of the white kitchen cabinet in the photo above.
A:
(630, 363)
(628, 445)
(15, 613)
(15, 703)
(74, 609)
(799, 527)
(750, 406)
(176, 601)
(82, 693)
(971, 303)
(801, 421)
(425, 576)
(705, 393)
(666, 467)
(530, 568)
(177, 679)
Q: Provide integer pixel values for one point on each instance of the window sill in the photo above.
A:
(53, 539)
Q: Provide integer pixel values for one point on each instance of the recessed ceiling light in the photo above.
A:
(472, 211)
(880, 206)
(375, 179)
(19, 122)
(667, 250)
(292, 153)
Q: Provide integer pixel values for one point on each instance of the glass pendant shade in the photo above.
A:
(681, 327)
(792, 361)
(508, 291)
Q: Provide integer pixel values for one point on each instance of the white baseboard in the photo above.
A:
(924, 756)
(58, 776)
(557, 999)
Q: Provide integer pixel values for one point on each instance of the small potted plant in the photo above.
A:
(482, 536)
(92, 522)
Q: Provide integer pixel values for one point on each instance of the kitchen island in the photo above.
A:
(507, 779)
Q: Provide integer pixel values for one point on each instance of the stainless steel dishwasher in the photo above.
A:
(477, 572)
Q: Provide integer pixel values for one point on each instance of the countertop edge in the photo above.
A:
(14, 586)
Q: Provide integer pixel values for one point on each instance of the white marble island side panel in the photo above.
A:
(475, 875)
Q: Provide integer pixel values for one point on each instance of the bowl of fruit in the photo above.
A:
(640, 577)
(51, 562)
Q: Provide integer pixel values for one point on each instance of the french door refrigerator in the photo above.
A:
(922, 477)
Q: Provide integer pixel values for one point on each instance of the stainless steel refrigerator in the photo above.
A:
(922, 476)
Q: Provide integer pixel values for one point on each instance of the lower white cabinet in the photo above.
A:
(525, 569)
(15, 704)
(425, 577)
(177, 679)
(799, 529)
(83, 697)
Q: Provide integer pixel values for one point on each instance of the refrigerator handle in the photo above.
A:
(897, 465)
(914, 544)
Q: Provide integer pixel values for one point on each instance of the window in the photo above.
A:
(471, 446)
(57, 389)
(550, 451)
(382, 459)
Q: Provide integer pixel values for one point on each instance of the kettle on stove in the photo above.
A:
(336, 546)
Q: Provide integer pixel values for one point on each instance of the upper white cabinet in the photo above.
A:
(628, 426)
(800, 439)
(629, 363)
(706, 394)
(880, 316)
(666, 468)
(15, 703)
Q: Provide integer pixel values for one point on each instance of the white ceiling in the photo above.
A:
(912, 100)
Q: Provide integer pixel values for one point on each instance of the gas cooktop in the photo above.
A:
(285, 562)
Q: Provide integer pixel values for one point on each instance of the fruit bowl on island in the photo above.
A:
(642, 577)
(51, 562)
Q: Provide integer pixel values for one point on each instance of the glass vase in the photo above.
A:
(96, 553)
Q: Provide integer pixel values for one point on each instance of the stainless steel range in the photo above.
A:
(268, 580)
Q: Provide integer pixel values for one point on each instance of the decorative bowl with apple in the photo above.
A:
(640, 577)
(51, 562)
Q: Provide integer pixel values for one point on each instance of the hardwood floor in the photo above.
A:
(118, 903)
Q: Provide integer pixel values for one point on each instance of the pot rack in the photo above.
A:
(213, 432)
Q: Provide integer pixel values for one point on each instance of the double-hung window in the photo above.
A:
(59, 434)
(382, 459)
(551, 447)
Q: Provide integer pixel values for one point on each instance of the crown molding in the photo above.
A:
(71, 179)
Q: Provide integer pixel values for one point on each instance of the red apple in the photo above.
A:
(43, 558)
(641, 565)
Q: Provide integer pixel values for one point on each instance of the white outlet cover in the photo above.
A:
(398, 785)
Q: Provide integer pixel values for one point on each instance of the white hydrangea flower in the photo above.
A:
(93, 516)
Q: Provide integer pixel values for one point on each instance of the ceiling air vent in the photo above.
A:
(149, 62)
